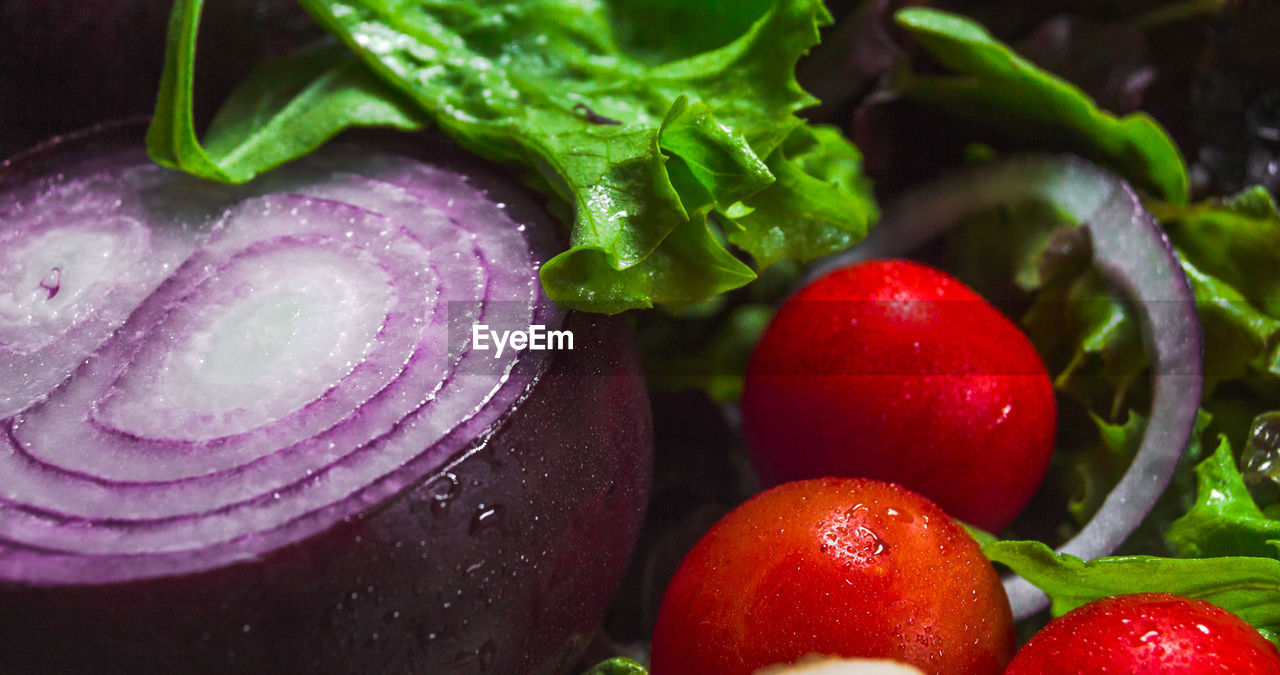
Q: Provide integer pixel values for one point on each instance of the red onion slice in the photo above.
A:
(205, 387)
(1132, 252)
(221, 406)
(66, 284)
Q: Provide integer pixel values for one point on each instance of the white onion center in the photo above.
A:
(263, 339)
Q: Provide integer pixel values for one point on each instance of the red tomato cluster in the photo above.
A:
(895, 371)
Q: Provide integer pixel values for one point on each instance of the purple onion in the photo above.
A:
(1132, 252)
(245, 428)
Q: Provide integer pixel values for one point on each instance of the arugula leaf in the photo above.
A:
(1249, 587)
(1224, 520)
(994, 85)
(287, 108)
(653, 149)
(979, 535)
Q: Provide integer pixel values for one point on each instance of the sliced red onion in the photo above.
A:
(1133, 253)
(199, 378)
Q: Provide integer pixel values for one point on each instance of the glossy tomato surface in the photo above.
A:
(1147, 633)
(897, 371)
(839, 567)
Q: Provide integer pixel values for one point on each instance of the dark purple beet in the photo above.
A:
(517, 591)
(498, 557)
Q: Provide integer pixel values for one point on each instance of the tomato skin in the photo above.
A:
(941, 394)
(1147, 633)
(839, 567)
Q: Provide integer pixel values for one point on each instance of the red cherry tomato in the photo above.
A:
(838, 567)
(1147, 633)
(896, 371)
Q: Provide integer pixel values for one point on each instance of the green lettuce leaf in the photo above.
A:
(1088, 472)
(605, 129)
(287, 108)
(1247, 586)
(657, 32)
(1227, 249)
(1230, 248)
(654, 144)
(1083, 319)
(1097, 469)
(817, 204)
(1225, 520)
(994, 85)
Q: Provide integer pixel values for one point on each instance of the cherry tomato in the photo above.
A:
(1147, 633)
(838, 567)
(896, 371)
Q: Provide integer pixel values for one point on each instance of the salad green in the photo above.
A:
(1225, 248)
(1225, 520)
(994, 84)
(617, 666)
(640, 149)
(1247, 586)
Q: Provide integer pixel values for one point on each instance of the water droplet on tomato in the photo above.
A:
(900, 516)
(877, 546)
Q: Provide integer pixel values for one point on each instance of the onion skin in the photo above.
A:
(510, 573)
(569, 501)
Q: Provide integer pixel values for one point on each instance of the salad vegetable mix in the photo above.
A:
(1081, 364)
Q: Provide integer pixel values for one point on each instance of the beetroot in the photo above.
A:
(245, 428)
